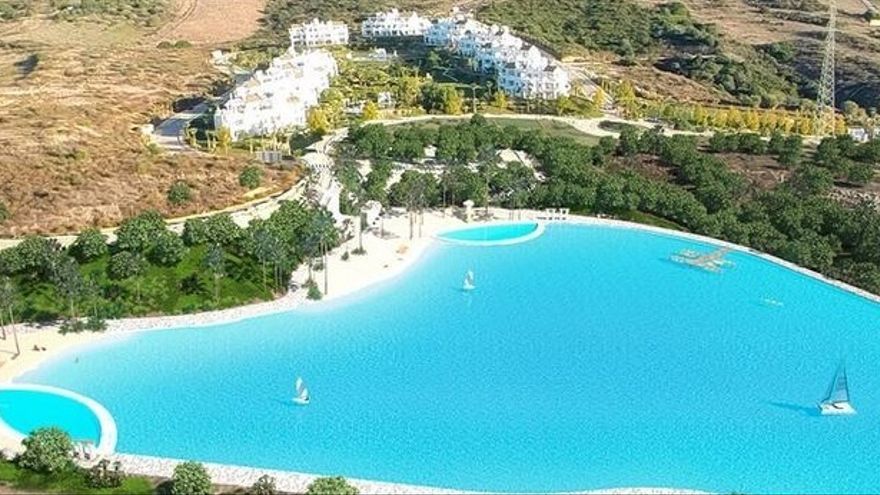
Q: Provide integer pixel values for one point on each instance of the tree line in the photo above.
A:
(795, 220)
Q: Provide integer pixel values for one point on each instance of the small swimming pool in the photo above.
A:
(27, 410)
(494, 234)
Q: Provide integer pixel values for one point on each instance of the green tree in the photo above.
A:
(251, 177)
(318, 122)
(33, 257)
(89, 245)
(47, 450)
(452, 102)
(562, 105)
(499, 99)
(7, 306)
(224, 139)
(221, 229)
(190, 478)
(179, 193)
(409, 90)
(68, 282)
(331, 486)
(138, 233)
(371, 111)
(168, 249)
(215, 262)
(265, 485)
(126, 264)
(599, 99)
(195, 232)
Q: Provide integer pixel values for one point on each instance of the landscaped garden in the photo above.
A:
(148, 269)
(47, 465)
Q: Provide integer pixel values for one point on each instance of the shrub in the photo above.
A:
(345, 256)
(195, 232)
(264, 486)
(4, 212)
(168, 250)
(138, 233)
(102, 476)
(89, 244)
(190, 478)
(179, 193)
(314, 293)
(251, 177)
(182, 44)
(331, 486)
(33, 256)
(164, 45)
(47, 450)
(125, 264)
(95, 323)
(73, 325)
(221, 229)
(358, 251)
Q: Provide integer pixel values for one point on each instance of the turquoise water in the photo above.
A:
(583, 360)
(26, 410)
(504, 232)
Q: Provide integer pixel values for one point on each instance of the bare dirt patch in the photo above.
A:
(213, 21)
(72, 95)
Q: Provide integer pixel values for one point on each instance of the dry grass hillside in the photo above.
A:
(802, 23)
(73, 91)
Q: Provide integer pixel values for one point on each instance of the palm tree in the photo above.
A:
(7, 302)
(215, 262)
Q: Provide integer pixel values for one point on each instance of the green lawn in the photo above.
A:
(71, 482)
(184, 288)
(547, 127)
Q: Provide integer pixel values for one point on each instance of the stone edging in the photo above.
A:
(539, 230)
(106, 444)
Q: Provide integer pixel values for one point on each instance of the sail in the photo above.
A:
(304, 395)
(839, 390)
(469, 278)
(299, 385)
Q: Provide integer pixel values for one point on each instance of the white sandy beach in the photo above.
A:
(386, 257)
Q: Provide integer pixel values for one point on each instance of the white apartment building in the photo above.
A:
(522, 71)
(279, 97)
(394, 24)
(319, 33)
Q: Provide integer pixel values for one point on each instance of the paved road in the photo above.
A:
(169, 134)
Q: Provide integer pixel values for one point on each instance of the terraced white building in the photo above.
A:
(393, 24)
(521, 70)
(319, 33)
(279, 97)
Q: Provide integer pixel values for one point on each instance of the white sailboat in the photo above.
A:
(469, 281)
(836, 402)
(302, 393)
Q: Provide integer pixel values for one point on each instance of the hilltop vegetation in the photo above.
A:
(144, 12)
(147, 12)
(13, 9)
(666, 36)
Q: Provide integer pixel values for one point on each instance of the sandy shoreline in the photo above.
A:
(387, 256)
